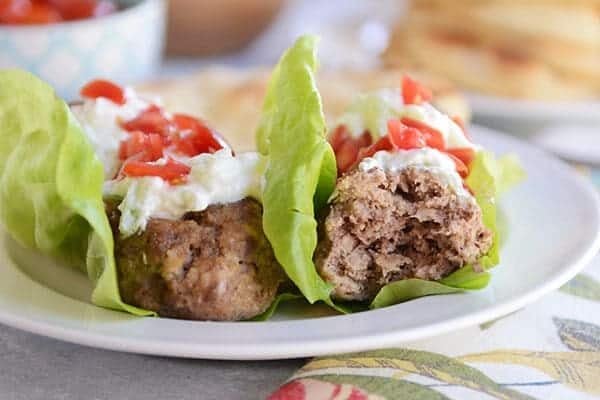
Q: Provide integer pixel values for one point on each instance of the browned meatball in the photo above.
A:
(383, 227)
(211, 265)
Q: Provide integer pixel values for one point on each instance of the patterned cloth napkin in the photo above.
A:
(549, 350)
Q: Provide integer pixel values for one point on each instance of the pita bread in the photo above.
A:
(230, 100)
(507, 48)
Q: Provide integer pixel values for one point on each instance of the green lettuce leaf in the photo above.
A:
(408, 289)
(281, 298)
(51, 184)
(301, 172)
(488, 178)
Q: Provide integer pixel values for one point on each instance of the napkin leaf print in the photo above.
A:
(404, 362)
(583, 286)
(577, 369)
(578, 335)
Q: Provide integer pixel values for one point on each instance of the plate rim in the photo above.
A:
(314, 347)
(484, 105)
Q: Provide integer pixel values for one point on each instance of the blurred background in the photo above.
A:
(530, 68)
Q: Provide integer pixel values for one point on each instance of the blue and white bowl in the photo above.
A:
(125, 47)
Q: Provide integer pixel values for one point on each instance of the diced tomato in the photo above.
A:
(464, 154)
(80, 9)
(461, 168)
(151, 120)
(186, 122)
(40, 13)
(14, 11)
(383, 144)
(346, 155)
(74, 9)
(365, 139)
(49, 11)
(338, 137)
(154, 146)
(105, 89)
(432, 136)
(413, 92)
(185, 146)
(133, 145)
(404, 137)
(347, 148)
(194, 137)
(145, 147)
(172, 171)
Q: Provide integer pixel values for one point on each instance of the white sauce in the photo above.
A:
(371, 111)
(431, 160)
(100, 119)
(217, 178)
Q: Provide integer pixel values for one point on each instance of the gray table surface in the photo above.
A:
(37, 368)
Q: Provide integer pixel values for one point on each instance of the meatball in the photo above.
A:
(383, 227)
(215, 264)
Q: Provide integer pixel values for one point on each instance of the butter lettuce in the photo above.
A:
(51, 184)
(301, 170)
(488, 178)
(301, 177)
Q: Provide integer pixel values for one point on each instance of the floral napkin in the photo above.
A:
(549, 350)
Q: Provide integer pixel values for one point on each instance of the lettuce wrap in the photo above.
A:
(302, 171)
(301, 177)
(51, 184)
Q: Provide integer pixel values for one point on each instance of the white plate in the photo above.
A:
(531, 110)
(554, 225)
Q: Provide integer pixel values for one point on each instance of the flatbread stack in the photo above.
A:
(534, 49)
(231, 99)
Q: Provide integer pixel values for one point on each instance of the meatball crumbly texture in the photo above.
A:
(381, 228)
(211, 265)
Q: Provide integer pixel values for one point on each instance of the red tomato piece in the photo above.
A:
(151, 120)
(461, 168)
(14, 11)
(74, 9)
(135, 144)
(144, 147)
(464, 154)
(338, 137)
(40, 13)
(194, 137)
(365, 140)
(105, 89)
(154, 146)
(413, 92)
(347, 148)
(172, 171)
(404, 137)
(185, 122)
(433, 137)
(346, 155)
(185, 146)
(383, 144)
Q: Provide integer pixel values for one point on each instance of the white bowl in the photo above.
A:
(125, 47)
